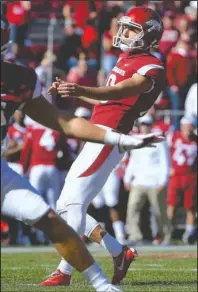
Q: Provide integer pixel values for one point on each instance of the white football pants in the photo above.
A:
(46, 180)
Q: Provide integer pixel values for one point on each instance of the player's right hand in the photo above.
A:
(55, 85)
(53, 88)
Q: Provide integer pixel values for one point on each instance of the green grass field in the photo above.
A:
(154, 270)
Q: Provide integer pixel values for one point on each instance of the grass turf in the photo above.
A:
(157, 272)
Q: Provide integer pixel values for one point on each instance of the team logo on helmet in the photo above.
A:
(155, 25)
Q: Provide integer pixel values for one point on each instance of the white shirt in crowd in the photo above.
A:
(148, 167)
(191, 102)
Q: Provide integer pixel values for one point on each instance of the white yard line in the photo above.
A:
(98, 249)
(162, 270)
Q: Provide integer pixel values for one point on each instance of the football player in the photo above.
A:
(20, 88)
(132, 87)
(183, 175)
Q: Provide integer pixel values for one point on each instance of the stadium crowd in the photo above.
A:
(142, 197)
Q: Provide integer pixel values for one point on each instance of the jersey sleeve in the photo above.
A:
(150, 71)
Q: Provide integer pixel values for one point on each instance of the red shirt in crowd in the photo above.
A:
(168, 40)
(81, 11)
(16, 13)
(180, 67)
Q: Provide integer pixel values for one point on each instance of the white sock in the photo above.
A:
(96, 277)
(64, 267)
(118, 227)
(190, 228)
(111, 244)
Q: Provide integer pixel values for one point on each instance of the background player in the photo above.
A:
(39, 155)
(183, 174)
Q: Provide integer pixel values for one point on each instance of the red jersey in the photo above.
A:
(40, 146)
(121, 114)
(183, 154)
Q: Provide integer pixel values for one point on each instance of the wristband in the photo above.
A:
(111, 138)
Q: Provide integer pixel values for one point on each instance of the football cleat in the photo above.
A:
(57, 279)
(122, 263)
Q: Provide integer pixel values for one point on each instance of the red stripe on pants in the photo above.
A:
(98, 162)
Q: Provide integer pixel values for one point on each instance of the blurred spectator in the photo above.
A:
(191, 11)
(160, 124)
(170, 35)
(16, 134)
(90, 41)
(79, 11)
(110, 54)
(181, 74)
(146, 177)
(18, 16)
(70, 48)
(44, 68)
(191, 103)
(183, 175)
(109, 196)
(101, 78)
(82, 75)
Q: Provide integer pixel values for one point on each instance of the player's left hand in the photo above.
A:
(128, 142)
(67, 89)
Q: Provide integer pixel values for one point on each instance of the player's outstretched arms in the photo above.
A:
(53, 90)
(137, 84)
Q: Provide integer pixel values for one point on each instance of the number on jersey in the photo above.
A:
(47, 140)
(184, 154)
(111, 81)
